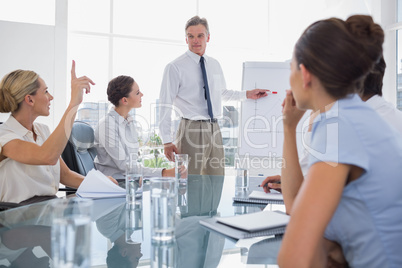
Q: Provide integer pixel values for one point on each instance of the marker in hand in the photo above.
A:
(267, 92)
(256, 93)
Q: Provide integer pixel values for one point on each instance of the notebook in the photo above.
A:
(263, 223)
(261, 198)
(244, 204)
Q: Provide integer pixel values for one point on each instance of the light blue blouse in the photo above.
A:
(368, 220)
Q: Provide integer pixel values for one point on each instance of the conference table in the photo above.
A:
(25, 231)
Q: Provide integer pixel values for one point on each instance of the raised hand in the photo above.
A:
(78, 85)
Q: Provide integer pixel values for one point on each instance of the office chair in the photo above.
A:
(80, 152)
(7, 205)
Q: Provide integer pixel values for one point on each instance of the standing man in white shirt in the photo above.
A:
(194, 86)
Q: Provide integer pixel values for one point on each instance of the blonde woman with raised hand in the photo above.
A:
(30, 164)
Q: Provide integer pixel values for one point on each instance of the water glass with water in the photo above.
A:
(181, 166)
(163, 255)
(134, 223)
(182, 197)
(163, 208)
(242, 175)
(71, 232)
(134, 180)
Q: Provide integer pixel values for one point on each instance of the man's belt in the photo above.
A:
(212, 120)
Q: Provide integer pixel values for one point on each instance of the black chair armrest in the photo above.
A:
(68, 190)
(8, 205)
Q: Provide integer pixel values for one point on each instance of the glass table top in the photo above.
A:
(25, 231)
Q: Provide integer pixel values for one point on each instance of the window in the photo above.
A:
(399, 70)
(396, 29)
(138, 38)
(399, 10)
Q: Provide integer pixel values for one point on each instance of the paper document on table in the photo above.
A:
(97, 185)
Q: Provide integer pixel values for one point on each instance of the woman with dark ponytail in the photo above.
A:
(348, 210)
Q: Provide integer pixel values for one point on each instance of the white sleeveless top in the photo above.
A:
(19, 181)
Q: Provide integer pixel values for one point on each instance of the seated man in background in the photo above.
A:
(372, 94)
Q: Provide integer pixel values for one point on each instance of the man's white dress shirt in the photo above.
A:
(387, 111)
(183, 87)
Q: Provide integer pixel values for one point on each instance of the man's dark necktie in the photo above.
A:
(206, 88)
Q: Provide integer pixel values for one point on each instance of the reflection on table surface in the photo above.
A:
(25, 231)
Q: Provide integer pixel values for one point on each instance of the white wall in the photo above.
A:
(29, 47)
(43, 49)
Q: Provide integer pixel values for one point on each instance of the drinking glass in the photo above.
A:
(242, 175)
(134, 223)
(181, 166)
(163, 208)
(134, 181)
(71, 232)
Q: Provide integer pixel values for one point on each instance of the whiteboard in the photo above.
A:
(261, 127)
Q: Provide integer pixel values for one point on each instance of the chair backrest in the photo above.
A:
(80, 152)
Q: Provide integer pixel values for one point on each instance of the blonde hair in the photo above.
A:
(14, 87)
